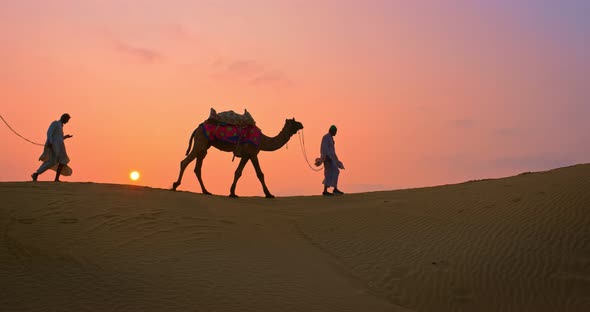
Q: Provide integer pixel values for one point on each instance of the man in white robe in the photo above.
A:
(54, 152)
(332, 164)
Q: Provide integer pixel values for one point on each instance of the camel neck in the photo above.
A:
(276, 142)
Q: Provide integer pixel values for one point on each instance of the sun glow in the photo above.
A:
(134, 175)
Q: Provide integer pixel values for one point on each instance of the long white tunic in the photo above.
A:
(55, 136)
(57, 154)
(328, 154)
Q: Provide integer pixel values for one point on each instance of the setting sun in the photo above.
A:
(134, 175)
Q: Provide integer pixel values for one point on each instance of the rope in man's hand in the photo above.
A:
(302, 143)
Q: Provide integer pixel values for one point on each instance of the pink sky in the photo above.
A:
(423, 93)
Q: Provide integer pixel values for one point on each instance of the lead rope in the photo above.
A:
(22, 137)
(303, 150)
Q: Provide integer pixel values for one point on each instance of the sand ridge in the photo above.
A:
(515, 244)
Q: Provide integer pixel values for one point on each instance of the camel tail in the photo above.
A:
(190, 142)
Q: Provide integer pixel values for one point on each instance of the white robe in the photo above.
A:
(328, 155)
(57, 154)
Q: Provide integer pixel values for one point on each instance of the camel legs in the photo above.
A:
(187, 160)
(200, 157)
(260, 176)
(199, 154)
(237, 175)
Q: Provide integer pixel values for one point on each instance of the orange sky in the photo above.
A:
(422, 93)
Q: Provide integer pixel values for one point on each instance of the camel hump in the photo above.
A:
(232, 118)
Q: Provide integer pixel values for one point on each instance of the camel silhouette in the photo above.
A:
(244, 150)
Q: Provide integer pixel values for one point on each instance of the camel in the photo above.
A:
(245, 151)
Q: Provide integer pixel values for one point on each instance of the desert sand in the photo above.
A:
(519, 243)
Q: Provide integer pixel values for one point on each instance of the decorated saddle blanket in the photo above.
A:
(232, 133)
(231, 118)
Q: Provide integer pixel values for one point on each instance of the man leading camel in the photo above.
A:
(332, 165)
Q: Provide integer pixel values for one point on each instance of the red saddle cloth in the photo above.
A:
(231, 133)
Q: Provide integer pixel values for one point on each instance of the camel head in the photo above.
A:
(292, 126)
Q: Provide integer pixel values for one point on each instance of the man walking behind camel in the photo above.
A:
(54, 152)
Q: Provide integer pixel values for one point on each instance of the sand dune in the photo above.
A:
(514, 244)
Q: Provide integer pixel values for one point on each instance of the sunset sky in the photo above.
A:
(423, 92)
